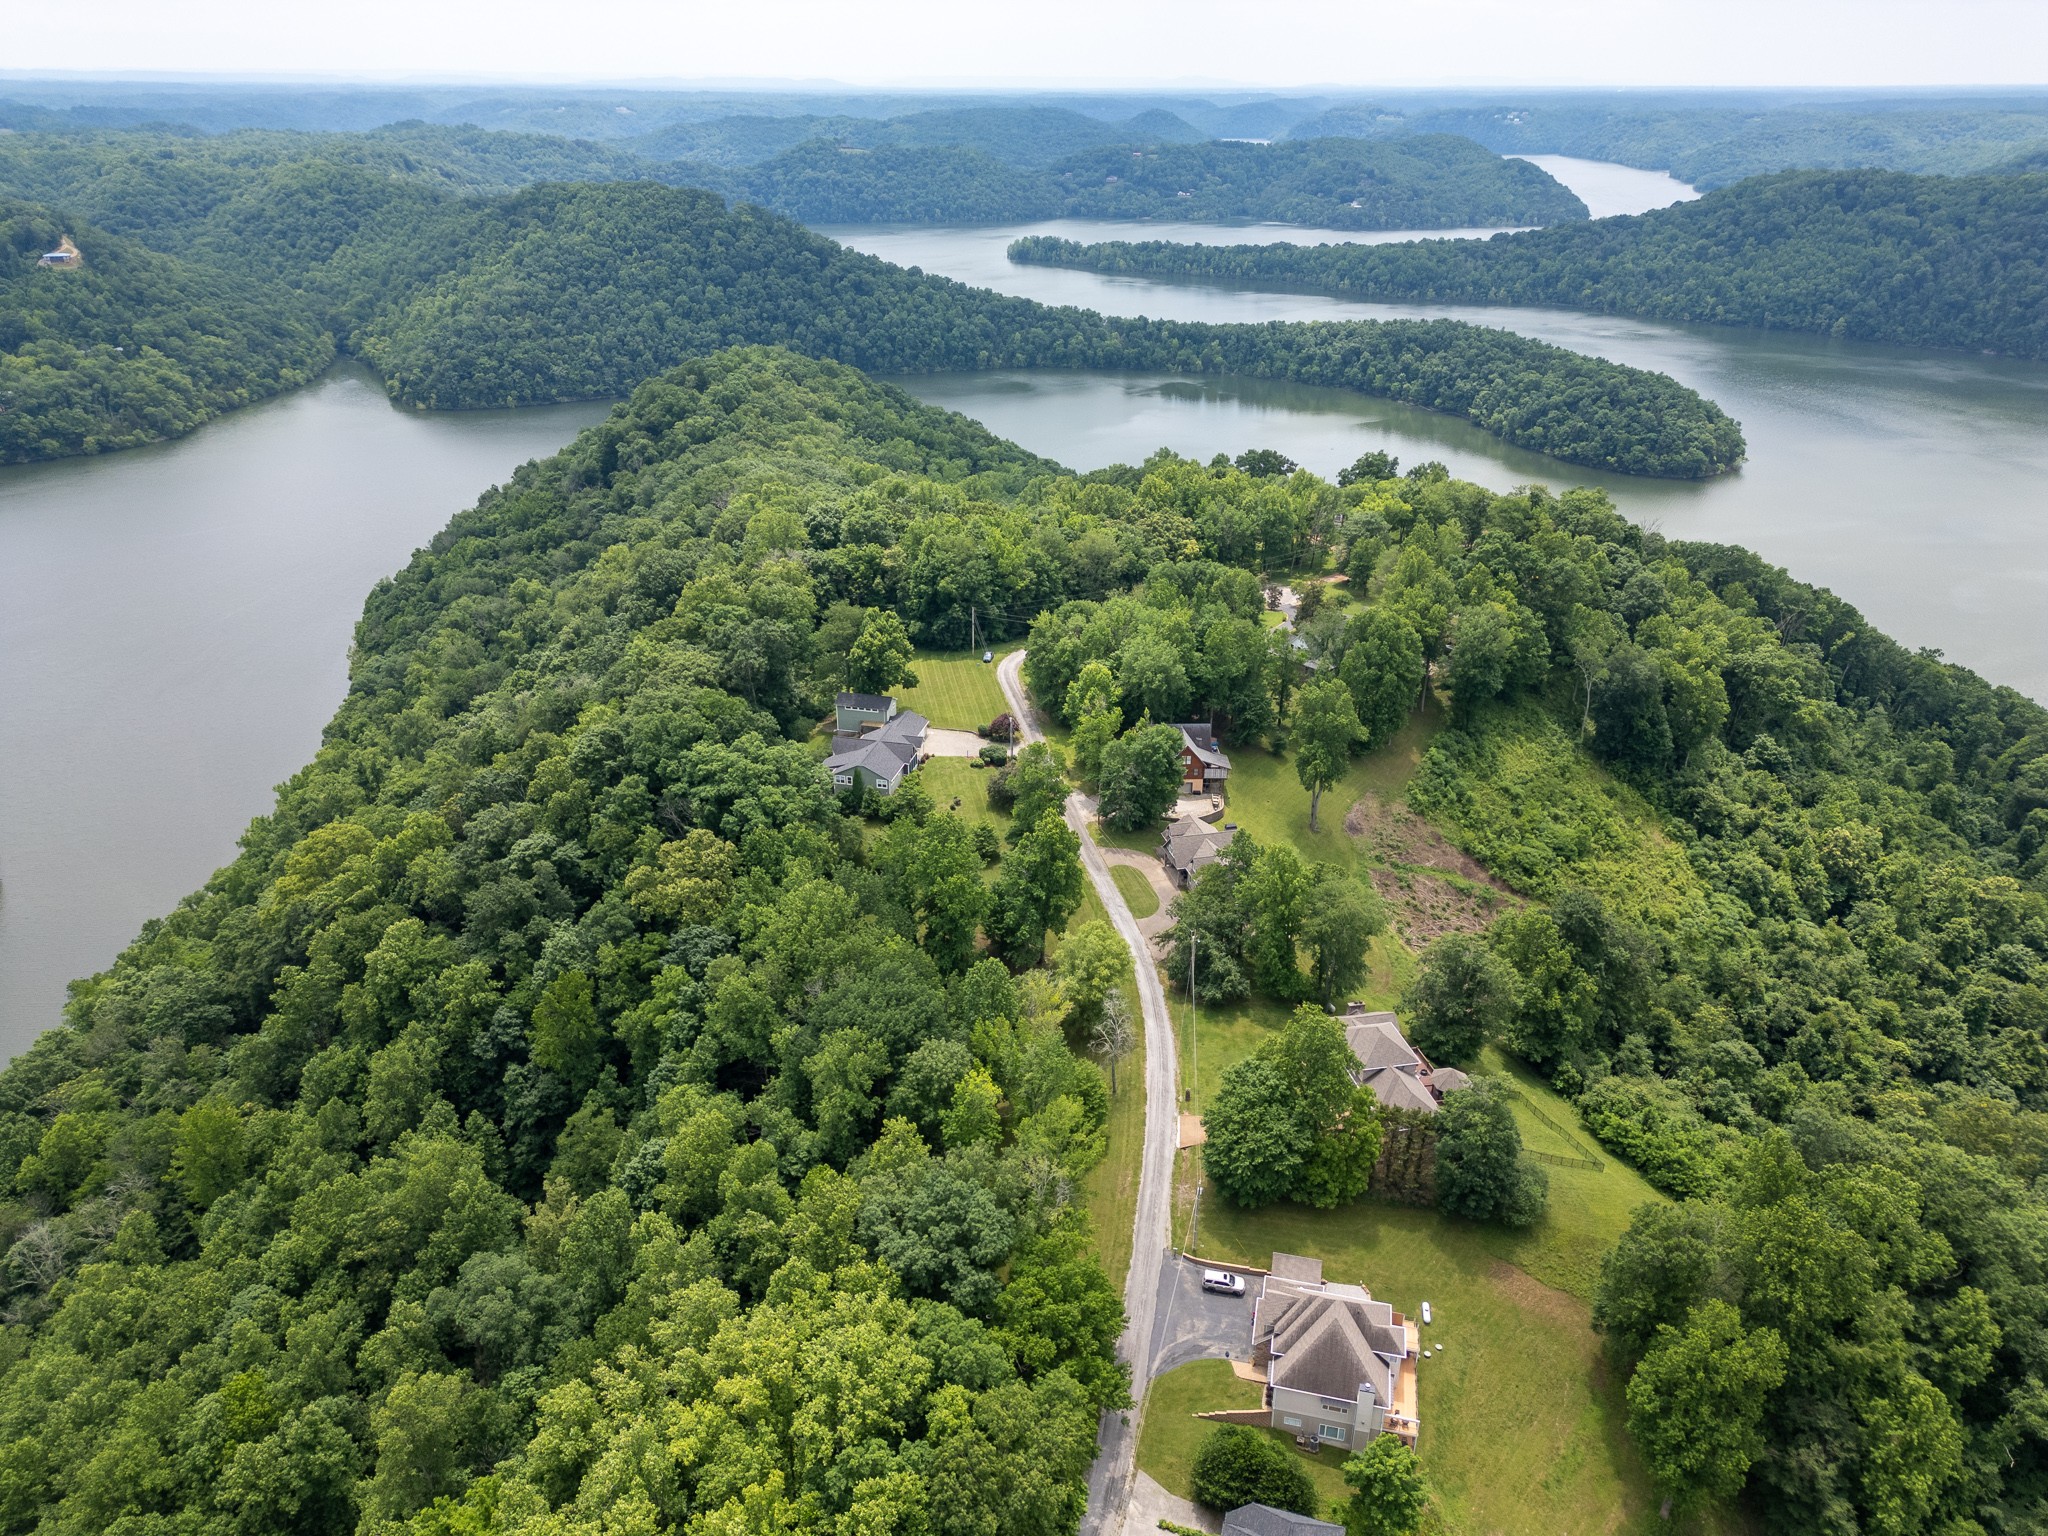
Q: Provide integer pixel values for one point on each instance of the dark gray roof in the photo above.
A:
(867, 703)
(1264, 1520)
(1201, 740)
(1191, 846)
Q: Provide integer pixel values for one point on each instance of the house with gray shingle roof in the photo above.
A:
(1398, 1074)
(1191, 845)
(1265, 1520)
(1339, 1365)
(878, 756)
(1203, 767)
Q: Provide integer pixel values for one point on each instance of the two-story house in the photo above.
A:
(874, 743)
(1339, 1366)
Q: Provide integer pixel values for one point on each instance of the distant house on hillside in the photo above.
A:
(875, 744)
(1339, 1366)
(1203, 767)
(64, 257)
(1191, 845)
(1399, 1076)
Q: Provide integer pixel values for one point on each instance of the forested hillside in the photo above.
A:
(1710, 143)
(564, 1111)
(1433, 181)
(1919, 260)
(131, 346)
(1430, 182)
(575, 291)
(1029, 138)
(561, 1106)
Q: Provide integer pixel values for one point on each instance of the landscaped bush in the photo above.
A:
(1242, 1465)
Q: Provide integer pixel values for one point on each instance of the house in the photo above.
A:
(65, 257)
(862, 712)
(1203, 767)
(1339, 1366)
(875, 758)
(1265, 1520)
(1192, 845)
(1399, 1076)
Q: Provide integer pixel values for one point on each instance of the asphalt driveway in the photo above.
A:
(1193, 1324)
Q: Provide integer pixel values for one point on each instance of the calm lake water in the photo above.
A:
(174, 630)
(174, 621)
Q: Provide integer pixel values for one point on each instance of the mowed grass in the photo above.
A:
(1137, 890)
(956, 690)
(1523, 1421)
(947, 779)
(1523, 1417)
(1171, 1434)
(1266, 799)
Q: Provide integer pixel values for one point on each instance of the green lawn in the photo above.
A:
(1171, 1434)
(1110, 1191)
(1137, 890)
(1229, 1032)
(956, 690)
(1266, 799)
(1523, 1423)
(948, 779)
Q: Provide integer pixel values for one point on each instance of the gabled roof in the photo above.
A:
(1376, 1040)
(1264, 1520)
(1340, 1344)
(1191, 843)
(908, 725)
(1201, 740)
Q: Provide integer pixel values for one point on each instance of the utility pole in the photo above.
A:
(973, 631)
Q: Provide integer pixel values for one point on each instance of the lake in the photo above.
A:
(174, 631)
(174, 621)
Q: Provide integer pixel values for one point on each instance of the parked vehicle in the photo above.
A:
(1425, 1314)
(988, 656)
(1222, 1282)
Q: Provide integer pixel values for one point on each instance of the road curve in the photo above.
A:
(1109, 1479)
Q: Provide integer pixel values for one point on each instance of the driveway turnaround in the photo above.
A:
(1193, 1324)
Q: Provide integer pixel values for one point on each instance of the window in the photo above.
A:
(1289, 1421)
(1330, 1432)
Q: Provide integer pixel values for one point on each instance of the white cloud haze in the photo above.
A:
(1366, 43)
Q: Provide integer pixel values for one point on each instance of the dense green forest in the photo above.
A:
(581, 290)
(1872, 255)
(131, 346)
(1431, 182)
(1712, 144)
(560, 1085)
(1434, 181)
(564, 1113)
(1029, 138)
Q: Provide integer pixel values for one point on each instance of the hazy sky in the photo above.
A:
(1021, 42)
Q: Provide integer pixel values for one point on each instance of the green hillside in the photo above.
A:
(1872, 255)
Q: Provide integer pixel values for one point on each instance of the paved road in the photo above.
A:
(1109, 1480)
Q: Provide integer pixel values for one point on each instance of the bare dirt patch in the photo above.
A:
(1536, 1298)
(1430, 887)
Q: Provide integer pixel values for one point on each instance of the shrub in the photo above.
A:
(1242, 1465)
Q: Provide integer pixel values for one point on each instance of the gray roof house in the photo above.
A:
(1398, 1074)
(877, 759)
(862, 711)
(1265, 1520)
(1192, 845)
(1340, 1366)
